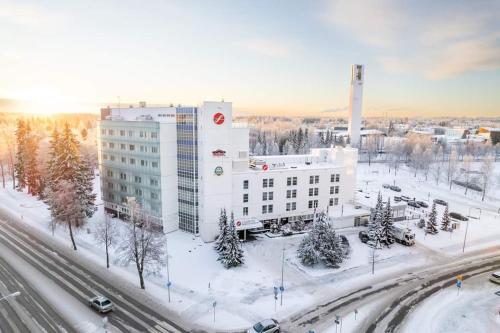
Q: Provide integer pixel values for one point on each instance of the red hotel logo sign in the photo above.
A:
(218, 118)
(219, 152)
(265, 167)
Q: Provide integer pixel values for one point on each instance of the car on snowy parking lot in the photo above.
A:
(440, 202)
(495, 277)
(397, 198)
(265, 326)
(423, 204)
(405, 198)
(101, 304)
(413, 204)
(458, 216)
(363, 236)
(395, 188)
(386, 185)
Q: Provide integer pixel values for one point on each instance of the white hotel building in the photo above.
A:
(185, 164)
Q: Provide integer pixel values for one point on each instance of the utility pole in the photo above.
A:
(282, 288)
(168, 274)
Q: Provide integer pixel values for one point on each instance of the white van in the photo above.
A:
(495, 277)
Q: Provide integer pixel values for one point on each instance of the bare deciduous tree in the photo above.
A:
(452, 166)
(142, 245)
(486, 172)
(106, 233)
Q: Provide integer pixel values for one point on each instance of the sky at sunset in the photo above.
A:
(429, 58)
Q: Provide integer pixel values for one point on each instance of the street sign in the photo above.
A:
(282, 289)
(459, 283)
(169, 284)
(214, 304)
(460, 277)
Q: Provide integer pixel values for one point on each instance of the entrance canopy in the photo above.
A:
(247, 224)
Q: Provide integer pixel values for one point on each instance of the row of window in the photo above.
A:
(292, 181)
(137, 191)
(131, 147)
(291, 206)
(313, 192)
(131, 161)
(130, 133)
(137, 179)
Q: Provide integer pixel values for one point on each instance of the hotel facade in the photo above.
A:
(185, 164)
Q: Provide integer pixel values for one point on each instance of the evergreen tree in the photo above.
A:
(231, 254)
(20, 165)
(387, 224)
(431, 223)
(322, 245)
(445, 222)
(31, 167)
(375, 225)
(220, 243)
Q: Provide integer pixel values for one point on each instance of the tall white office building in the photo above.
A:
(185, 164)
(355, 104)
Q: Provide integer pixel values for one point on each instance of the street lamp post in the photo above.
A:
(17, 293)
(465, 236)
(282, 274)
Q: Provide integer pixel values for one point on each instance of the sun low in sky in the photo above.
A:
(430, 58)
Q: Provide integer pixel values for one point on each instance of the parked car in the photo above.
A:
(458, 216)
(495, 277)
(397, 198)
(440, 202)
(386, 185)
(405, 198)
(413, 204)
(395, 188)
(363, 236)
(101, 304)
(265, 326)
(423, 204)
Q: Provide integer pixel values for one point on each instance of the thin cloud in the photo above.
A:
(269, 47)
(336, 110)
(438, 42)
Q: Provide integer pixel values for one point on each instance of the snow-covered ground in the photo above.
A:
(244, 295)
(475, 309)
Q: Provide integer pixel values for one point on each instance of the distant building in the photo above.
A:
(490, 133)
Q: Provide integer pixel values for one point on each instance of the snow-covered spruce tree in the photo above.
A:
(431, 222)
(298, 225)
(66, 208)
(221, 241)
(375, 225)
(445, 222)
(31, 168)
(322, 244)
(387, 224)
(20, 164)
(232, 254)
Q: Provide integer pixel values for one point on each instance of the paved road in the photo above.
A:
(27, 312)
(129, 316)
(396, 297)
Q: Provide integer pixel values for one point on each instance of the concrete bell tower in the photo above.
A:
(356, 104)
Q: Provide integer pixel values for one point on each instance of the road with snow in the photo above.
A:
(395, 298)
(21, 249)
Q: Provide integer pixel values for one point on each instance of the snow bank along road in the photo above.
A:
(27, 312)
(130, 315)
(399, 295)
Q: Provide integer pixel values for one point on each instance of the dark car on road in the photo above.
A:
(440, 202)
(397, 198)
(405, 198)
(458, 216)
(395, 188)
(423, 204)
(363, 236)
(386, 186)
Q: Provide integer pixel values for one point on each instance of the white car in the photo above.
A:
(265, 326)
(495, 277)
(101, 304)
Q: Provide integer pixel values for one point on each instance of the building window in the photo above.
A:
(132, 161)
(332, 189)
(137, 179)
(154, 195)
(110, 173)
(105, 156)
(311, 179)
(153, 182)
(154, 164)
(142, 134)
(131, 147)
(123, 176)
(288, 206)
(130, 133)
(144, 163)
(264, 196)
(264, 182)
(288, 194)
(316, 179)
(271, 182)
(104, 143)
(264, 209)
(138, 192)
(331, 202)
(337, 177)
(122, 133)
(311, 192)
(336, 190)
(294, 181)
(154, 135)
(245, 184)
(142, 149)
(245, 197)
(111, 132)
(316, 191)
(313, 204)
(288, 181)
(245, 211)
(124, 200)
(336, 201)
(124, 160)
(294, 205)
(154, 150)
(123, 146)
(123, 188)
(112, 157)
(110, 185)
(111, 145)
(103, 132)
(270, 195)
(269, 208)
(294, 193)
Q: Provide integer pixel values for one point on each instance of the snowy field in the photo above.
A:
(245, 295)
